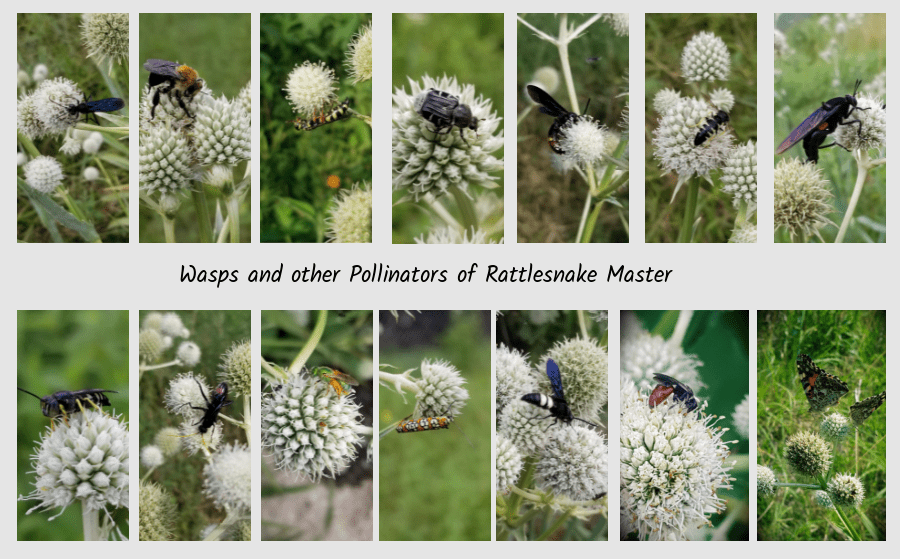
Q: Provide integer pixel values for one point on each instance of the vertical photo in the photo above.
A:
(447, 128)
(552, 371)
(316, 429)
(72, 128)
(72, 425)
(830, 92)
(821, 471)
(434, 420)
(684, 449)
(700, 97)
(316, 128)
(572, 128)
(195, 128)
(195, 394)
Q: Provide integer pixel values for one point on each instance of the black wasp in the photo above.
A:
(444, 110)
(171, 78)
(340, 112)
(823, 122)
(88, 107)
(711, 127)
(679, 391)
(213, 407)
(564, 117)
(66, 402)
(555, 404)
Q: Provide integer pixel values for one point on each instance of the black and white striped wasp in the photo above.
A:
(556, 404)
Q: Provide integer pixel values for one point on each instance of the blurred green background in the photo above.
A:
(182, 475)
(294, 198)
(550, 204)
(64, 350)
(468, 47)
(55, 41)
(665, 38)
(346, 345)
(720, 339)
(804, 80)
(433, 485)
(218, 47)
(853, 346)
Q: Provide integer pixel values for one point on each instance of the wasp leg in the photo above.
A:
(857, 122)
(833, 144)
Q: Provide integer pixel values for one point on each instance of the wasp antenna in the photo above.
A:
(588, 422)
(466, 436)
(586, 105)
(27, 392)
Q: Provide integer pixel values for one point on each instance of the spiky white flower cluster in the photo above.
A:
(834, 427)
(746, 233)
(643, 355)
(871, 133)
(765, 481)
(509, 464)
(44, 173)
(619, 23)
(823, 499)
(673, 139)
(672, 465)
(428, 163)
(846, 490)
(309, 429)
(526, 426)
(585, 140)
(665, 99)
(705, 58)
(741, 418)
(802, 199)
(441, 391)
(453, 236)
(310, 88)
(84, 460)
(359, 55)
(188, 353)
(106, 36)
(159, 330)
(351, 216)
(226, 478)
(739, 176)
(156, 513)
(574, 463)
(584, 367)
(165, 161)
(45, 110)
(235, 368)
(513, 375)
(808, 454)
(221, 132)
(151, 456)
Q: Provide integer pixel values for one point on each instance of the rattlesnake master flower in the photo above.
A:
(245, 98)
(765, 481)
(27, 121)
(156, 513)
(171, 325)
(846, 490)
(188, 353)
(40, 73)
(359, 55)
(235, 368)
(722, 99)
(585, 140)
(802, 200)
(309, 429)
(221, 132)
(310, 88)
(441, 390)
(85, 460)
(741, 418)
(226, 478)
(165, 161)
(167, 441)
(745, 234)
(44, 174)
(575, 463)
(673, 140)
(106, 36)
(808, 454)
(739, 176)
(151, 456)
(705, 58)
(194, 440)
(453, 236)
(643, 355)
(545, 77)
(509, 464)
(584, 368)
(184, 392)
(781, 45)
(665, 99)
(672, 465)
(152, 321)
(351, 216)
(513, 375)
(873, 132)
(823, 499)
(52, 99)
(150, 345)
(619, 23)
(428, 163)
(834, 427)
(526, 426)
(169, 113)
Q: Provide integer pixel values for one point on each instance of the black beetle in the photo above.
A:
(444, 110)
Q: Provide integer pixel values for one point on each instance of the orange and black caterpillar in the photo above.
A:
(339, 112)
(423, 424)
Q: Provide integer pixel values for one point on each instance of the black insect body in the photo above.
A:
(669, 386)
(555, 404)
(564, 117)
(444, 110)
(88, 107)
(823, 122)
(173, 79)
(64, 402)
(340, 112)
(711, 127)
(213, 407)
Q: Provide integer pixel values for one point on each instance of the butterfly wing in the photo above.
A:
(860, 411)
(822, 390)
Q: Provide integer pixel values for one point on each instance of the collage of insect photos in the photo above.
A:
(262, 129)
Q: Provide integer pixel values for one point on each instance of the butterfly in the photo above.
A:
(822, 390)
(860, 411)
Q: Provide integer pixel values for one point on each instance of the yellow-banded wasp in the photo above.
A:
(339, 112)
(65, 402)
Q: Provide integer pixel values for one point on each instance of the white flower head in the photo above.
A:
(441, 391)
(672, 465)
(739, 176)
(188, 353)
(310, 88)
(722, 99)
(846, 490)
(40, 73)
(870, 132)
(221, 132)
(665, 99)
(44, 174)
(823, 499)
(151, 456)
(574, 463)
(106, 36)
(674, 139)
(802, 199)
(765, 481)
(585, 140)
(185, 393)
(53, 99)
(171, 325)
(453, 236)
(584, 368)
(741, 418)
(526, 426)
(165, 161)
(834, 427)
(513, 376)
(150, 345)
(235, 368)
(227, 479)
(509, 464)
(350, 220)
(746, 233)
(359, 55)
(705, 58)
(643, 355)
(619, 23)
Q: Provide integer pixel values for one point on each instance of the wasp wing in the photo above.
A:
(549, 106)
(162, 67)
(679, 386)
(106, 105)
(812, 122)
(555, 379)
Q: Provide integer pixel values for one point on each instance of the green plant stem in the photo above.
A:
(466, 209)
(555, 526)
(233, 206)
(582, 323)
(248, 420)
(802, 485)
(230, 518)
(90, 520)
(592, 221)
(198, 195)
(847, 525)
(29, 146)
(515, 499)
(168, 228)
(314, 337)
(863, 164)
(122, 203)
(687, 225)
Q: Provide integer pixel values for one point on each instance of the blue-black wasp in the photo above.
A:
(669, 386)
(822, 122)
(213, 407)
(711, 127)
(173, 79)
(88, 107)
(65, 402)
(555, 404)
(564, 117)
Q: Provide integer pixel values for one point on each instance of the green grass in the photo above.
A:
(468, 47)
(64, 350)
(550, 204)
(803, 82)
(665, 38)
(294, 198)
(851, 345)
(55, 40)
(433, 485)
(182, 475)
